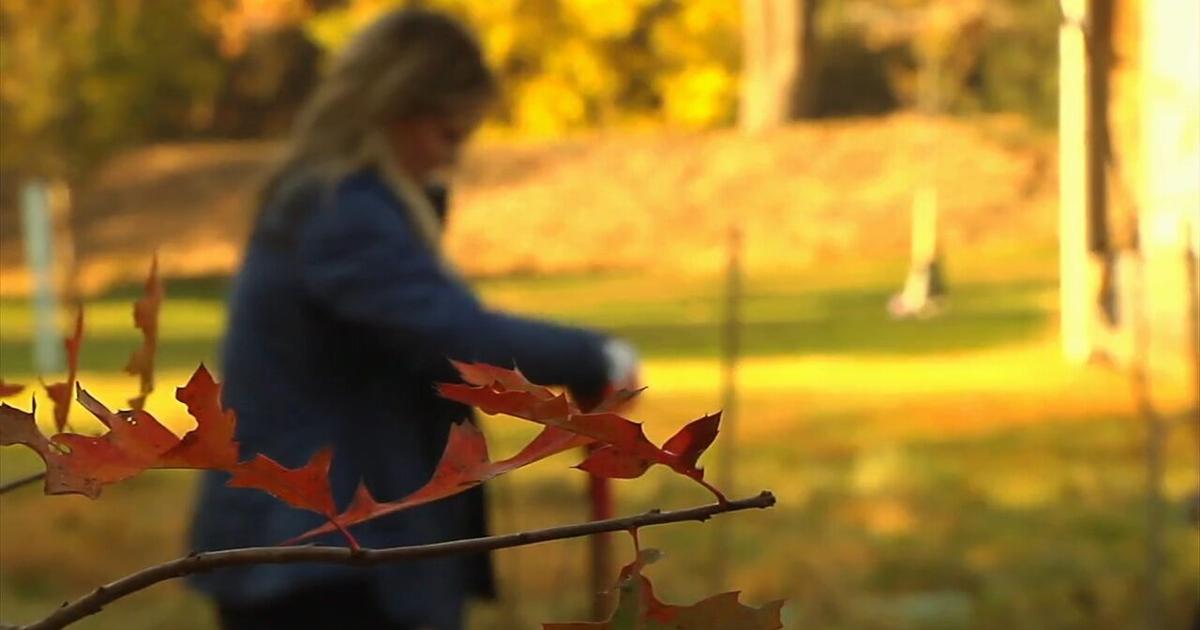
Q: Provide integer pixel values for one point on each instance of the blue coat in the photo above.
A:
(341, 322)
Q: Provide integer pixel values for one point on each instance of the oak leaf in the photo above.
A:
(10, 389)
(211, 444)
(639, 609)
(60, 393)
(83, 464)
(306, 487)
(145, 318)
(623, 451)
(464, 464)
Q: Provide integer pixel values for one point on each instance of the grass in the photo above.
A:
(665, 317)
(947, 473)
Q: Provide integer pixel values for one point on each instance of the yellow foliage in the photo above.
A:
(567, 64)
(585, 68)
(600, 19)
(547, 105)
(712, 18)
(332, 29)
(498, 41)
(699, 96)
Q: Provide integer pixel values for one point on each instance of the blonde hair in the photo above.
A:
(408, 63)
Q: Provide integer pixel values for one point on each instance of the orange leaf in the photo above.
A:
(306, 487)
(611, 462)
(145, 317)
(136, 434)
(521, 404)
(464, 465)
(638, 607)
(20, 427)
(482, 374)
(134, 442)
(7, 389)
(211, 443)
(81, 464)
(624, 451)
(690, 442)
(60, 393)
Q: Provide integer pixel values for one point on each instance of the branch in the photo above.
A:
(201, 562)
(17, 483)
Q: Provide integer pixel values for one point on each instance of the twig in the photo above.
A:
(202, 562)
(9, 486)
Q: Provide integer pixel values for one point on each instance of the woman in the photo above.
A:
(344, 315)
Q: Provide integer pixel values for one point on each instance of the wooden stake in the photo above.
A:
(730, 349)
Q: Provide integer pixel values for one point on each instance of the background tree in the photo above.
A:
(777, 61)
(574, 64)
(79, 80)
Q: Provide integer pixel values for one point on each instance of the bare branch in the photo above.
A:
(19, 482)
(201, 562)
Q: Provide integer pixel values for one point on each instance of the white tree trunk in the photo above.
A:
(776, 61)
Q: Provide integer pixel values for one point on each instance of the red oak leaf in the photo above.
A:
(10, 389)
(620, 460)
(136, 434)
(521, 404)
(81, 464)
(145, 317)
(20, 427)
(638, 607)
(624, 452)
(135, 441)
(610, 462)
(306, 487)
(464, 465)
(482, 374)
(497, 390)
(211, 443)
(500, 390)
(630, 459)
(626, 440)
(60, 393)
(690, 442)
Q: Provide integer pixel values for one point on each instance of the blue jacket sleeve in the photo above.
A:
(361, 261)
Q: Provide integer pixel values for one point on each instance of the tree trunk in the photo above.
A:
(777, 62)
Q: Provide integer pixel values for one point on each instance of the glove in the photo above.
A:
(622, 364)
(621, 374)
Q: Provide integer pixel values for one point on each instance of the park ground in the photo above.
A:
(950, 472)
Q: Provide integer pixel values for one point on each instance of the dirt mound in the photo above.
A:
(810, 193)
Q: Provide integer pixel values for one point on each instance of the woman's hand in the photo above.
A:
(623, 364)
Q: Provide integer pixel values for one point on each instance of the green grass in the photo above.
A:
(662, 316)
(947, 473)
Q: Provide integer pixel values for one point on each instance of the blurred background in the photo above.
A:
(936, 258)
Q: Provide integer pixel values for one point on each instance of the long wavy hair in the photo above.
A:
(408, 63)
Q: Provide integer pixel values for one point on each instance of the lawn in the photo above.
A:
(941, 473)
